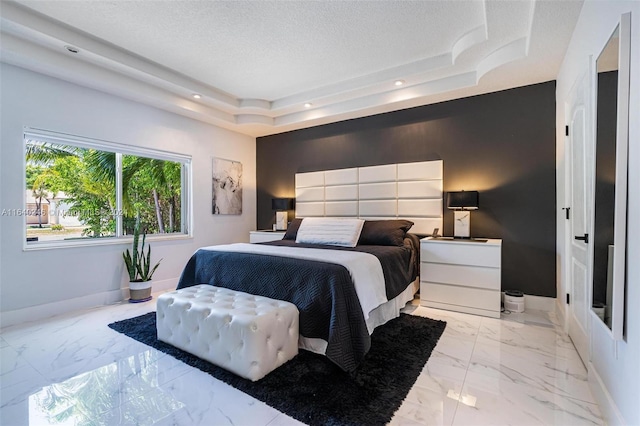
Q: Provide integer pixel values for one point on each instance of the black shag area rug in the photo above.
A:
(312, 389)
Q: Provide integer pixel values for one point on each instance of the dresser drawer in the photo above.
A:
(474, 254)
(458, 296)
(471, 276)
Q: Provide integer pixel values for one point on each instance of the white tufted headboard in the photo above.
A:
(411, 191)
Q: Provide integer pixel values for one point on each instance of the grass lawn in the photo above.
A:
(71, 231)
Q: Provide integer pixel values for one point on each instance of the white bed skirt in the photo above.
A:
(380, 315)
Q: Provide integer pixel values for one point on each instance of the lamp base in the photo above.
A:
(281, 221)
(462, 223)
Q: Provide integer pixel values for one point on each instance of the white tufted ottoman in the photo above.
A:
(245, 334)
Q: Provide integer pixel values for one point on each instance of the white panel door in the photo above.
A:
(580, 169)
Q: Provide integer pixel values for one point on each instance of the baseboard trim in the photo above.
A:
(458, 308)
(539, 303)
(608, 407)
(47, 310)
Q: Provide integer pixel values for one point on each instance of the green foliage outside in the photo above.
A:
(152, 189)
(87, 177)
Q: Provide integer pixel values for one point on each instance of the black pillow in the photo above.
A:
(384, 232)
(292, 229)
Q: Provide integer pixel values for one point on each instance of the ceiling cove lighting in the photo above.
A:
(196, 96)
(308, 105)
(398, 82)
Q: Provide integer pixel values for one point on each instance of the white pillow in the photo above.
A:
(330, 231)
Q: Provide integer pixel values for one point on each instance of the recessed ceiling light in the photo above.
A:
(398, 82)
(308, 105)
(72, 49)
(196, 96)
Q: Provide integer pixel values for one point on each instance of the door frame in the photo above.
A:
(582, 343)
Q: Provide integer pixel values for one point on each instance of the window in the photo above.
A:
(79, 190)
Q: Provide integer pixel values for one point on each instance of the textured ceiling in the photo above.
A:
(256, 63)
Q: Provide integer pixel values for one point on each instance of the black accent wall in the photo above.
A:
(501, 144)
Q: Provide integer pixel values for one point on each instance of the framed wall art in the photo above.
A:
(227, 187)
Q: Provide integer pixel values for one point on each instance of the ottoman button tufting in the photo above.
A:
(235, 322)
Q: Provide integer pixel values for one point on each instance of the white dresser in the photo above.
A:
(461, 276)
(264, 236)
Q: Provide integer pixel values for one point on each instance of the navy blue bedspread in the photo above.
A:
(399, 264)
(323, 292)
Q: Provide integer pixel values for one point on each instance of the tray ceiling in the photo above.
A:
(257, 63)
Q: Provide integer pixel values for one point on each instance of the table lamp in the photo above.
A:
(281, 205)
(462, 202)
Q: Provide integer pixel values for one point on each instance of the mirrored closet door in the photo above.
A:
(610, 186)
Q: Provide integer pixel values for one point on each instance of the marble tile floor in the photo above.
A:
(73, 369)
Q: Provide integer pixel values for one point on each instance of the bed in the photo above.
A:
(342, 293)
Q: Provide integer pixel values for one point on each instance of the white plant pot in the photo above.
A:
(140, 291)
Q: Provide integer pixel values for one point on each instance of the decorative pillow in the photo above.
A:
(330, 231)
(384, 232)
(292, 229)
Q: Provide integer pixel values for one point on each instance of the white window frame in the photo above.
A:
(119, 149)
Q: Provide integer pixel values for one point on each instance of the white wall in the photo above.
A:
(616, 364)
(45, 282)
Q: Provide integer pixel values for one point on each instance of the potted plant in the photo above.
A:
(138, 263)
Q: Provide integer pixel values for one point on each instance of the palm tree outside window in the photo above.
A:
(95, 189)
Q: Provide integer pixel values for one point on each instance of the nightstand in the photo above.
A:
(462, 276)
(265, 235)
